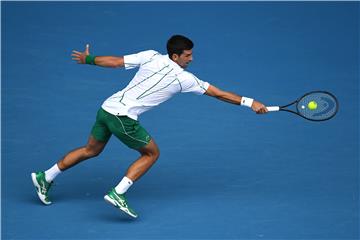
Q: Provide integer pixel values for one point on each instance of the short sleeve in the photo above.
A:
(190, 83)
(137, 59)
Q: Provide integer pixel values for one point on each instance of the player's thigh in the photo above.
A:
(100, 134)
(129, 132)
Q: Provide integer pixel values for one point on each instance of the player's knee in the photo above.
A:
(153, 153)
(92, 152)
(156, 154)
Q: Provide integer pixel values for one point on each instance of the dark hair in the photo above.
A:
(177, 44)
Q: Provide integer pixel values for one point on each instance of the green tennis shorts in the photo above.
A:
(128, 130)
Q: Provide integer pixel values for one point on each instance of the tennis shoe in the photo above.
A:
(119, 201)
(42, 186)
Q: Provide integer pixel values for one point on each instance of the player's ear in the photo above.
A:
(174, 57)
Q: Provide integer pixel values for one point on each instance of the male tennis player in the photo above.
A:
(159, 78)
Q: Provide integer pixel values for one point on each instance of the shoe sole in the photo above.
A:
(113, 202)
(37, 186)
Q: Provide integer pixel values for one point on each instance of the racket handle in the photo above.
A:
(273, 108)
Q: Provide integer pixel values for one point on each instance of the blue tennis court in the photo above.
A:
(224, 172)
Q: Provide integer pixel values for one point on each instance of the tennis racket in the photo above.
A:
(313, 106)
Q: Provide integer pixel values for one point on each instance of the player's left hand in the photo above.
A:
(81, 56)
(258, 107)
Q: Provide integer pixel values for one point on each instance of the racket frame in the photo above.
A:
(296, 102)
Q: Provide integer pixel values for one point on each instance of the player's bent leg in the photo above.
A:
(100, 134)
(149, 154)
(92, 149)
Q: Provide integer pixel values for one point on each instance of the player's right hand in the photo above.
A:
(258, 107)
(80, 57)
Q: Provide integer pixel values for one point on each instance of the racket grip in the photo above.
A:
(273, 108)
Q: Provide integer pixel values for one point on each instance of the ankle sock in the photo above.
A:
(51, 173)
(124, 185)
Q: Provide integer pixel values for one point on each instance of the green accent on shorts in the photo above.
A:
(127, 130)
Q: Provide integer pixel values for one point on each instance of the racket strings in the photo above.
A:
(326, 106)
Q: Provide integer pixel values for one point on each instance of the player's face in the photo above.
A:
(184, 59)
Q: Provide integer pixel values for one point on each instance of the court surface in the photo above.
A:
(224, 172)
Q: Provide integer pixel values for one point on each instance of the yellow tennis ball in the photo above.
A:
(312, 105)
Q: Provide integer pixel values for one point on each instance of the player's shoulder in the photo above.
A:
(150, 53)
(153, 51)
(186, 75)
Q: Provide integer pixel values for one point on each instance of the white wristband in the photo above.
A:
(246, 101)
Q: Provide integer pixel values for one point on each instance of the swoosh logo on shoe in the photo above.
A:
(43, 188)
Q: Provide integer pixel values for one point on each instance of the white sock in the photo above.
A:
(124, 185)
(51, 173)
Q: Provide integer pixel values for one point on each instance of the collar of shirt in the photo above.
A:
(174, 65)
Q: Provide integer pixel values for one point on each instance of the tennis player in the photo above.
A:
(159, 78)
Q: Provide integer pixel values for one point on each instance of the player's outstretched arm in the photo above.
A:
(233, 98)
(103, 61)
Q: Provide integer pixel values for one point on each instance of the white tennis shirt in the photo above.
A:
(158, 79)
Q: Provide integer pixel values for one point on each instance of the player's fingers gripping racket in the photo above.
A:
(313, 106)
